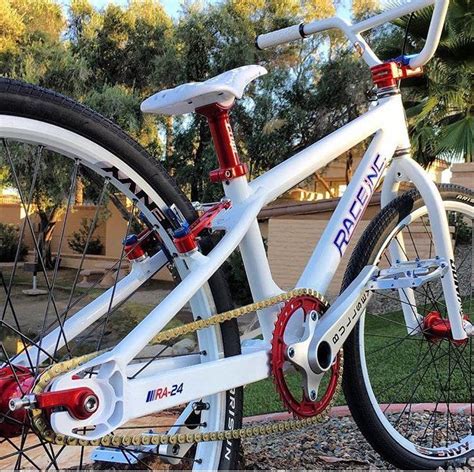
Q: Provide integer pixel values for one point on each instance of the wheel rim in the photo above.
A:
(434, 430)
(85, 157)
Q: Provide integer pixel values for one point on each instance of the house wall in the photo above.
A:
(463, 174)
(74, 221)
(288, 253)
(291, 243)
(11, 213)
(116, 228)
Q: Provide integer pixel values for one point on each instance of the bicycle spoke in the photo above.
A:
(56, 265)
(437, 367)
(35, 241)
(129, 225)
(417, 386)
(86, 247)
(25, 338)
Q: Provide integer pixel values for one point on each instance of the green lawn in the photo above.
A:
(395, 370)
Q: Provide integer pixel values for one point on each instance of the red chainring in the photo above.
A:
(305, 407)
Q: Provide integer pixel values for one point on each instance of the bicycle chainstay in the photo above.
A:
(41, 426)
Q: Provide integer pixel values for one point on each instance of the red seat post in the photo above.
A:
(230, 166)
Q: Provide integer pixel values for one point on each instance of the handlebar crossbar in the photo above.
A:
(353, 31)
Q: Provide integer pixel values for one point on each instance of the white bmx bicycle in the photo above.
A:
(88, 381)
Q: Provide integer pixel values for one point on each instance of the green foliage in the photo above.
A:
(234, 272)
(83, 237)
(441, 107)
(9, 237)
(52, 175)
(111, 59)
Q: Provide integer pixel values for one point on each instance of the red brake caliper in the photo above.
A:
(304, 407)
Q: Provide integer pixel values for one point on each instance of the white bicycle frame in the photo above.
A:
(122, 399)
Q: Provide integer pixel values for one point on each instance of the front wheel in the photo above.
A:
(411, 393)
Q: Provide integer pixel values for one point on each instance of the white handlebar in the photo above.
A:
(352, 32)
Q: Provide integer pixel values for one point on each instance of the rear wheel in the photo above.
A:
(77, 187)
(411, 392)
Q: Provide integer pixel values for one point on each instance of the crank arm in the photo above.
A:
(335, 326)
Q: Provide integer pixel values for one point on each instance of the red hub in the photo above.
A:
(436, 328)
(303, 407)
(16, 382)
(13, 384)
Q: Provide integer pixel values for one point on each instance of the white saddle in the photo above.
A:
(222, 89)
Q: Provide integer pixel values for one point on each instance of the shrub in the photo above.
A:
(9, 237)
(234, 272)
(78, 239)
(462, 231)
(236, 278)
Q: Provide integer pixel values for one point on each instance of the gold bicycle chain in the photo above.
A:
(41, 426)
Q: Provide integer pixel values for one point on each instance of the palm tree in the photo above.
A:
(440, 109)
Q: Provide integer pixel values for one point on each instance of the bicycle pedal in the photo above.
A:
(408, 274)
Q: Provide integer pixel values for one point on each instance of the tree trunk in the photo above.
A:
(196, 180)
(79, 194)
(349, 164)
(45, 236)
(325, 185)
(169, 149)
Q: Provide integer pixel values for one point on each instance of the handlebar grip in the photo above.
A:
(280, 36)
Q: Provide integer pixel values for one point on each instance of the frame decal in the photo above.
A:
(165, 392)
(359, 204)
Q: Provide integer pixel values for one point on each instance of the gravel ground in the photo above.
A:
(336, 444)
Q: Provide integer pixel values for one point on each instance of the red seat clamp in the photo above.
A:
(220, 175)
